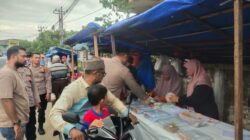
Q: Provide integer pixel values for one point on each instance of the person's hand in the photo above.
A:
(174, 99)
(52, 97)
(112, 115)
(18, 131)
(149, 101)
(133, 118)
(161, 99)
(38, 106)
(168, 97)
(48, 97)
(97, 123)
(76, 134)
(157, 99)
(46, 69)
(151, 94)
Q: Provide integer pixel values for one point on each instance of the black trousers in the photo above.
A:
(30, 127)
(41, 111)
(58, 85)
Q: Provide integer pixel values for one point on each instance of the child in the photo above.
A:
(97, 95)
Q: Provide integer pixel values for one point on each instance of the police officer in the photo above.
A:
(34, 101)
(42, 79)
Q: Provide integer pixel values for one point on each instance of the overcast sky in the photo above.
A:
(20, 19)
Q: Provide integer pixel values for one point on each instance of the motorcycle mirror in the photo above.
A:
(71, 117)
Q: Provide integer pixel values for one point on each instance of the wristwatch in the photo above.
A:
(17, 122)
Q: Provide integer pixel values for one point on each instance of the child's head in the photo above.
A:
(97, 94)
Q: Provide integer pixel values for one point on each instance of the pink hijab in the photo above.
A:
(199, 76)
(172, 85)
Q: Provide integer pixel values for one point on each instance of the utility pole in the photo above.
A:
(61, 15)
(60, 12)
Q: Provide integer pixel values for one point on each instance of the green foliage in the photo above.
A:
(107, 21)
(117, 6)
(44, 41)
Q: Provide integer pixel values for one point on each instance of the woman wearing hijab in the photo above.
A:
(200, 96)
(170, 82)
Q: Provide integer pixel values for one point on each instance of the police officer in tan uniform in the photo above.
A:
(34, 101)
(42, 79)
(118, 77)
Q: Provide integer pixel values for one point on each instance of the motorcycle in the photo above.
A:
(115, 128)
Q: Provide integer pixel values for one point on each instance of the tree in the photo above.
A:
(44, 41)
(116, 6)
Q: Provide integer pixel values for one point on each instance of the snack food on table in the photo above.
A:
(140, 108)
(156, 115)
(195, 119)
(212, 120)
(169, 96)
(194, 135)
(149, 101)
(171, 128)
(183, 136)
(186, 115)
(157, 105)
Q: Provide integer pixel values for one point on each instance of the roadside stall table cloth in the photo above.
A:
(153, 128)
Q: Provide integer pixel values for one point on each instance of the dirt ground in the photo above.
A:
(48, 128)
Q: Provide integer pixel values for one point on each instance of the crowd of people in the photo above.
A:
(27, 85)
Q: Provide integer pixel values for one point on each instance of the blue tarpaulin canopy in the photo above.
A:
(187, 28)
(82, 46)
(59, 51)
(84, 35)
(145, 74)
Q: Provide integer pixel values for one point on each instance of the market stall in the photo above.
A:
(202, 29)
(69, 54)
(59, 51)
(93, 34)
(93, 37)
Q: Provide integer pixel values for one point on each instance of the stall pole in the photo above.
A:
(238, 68)
(96, 46)
(72, 64)
(113, 45)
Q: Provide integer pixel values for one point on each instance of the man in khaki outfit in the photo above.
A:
(42, 79)
(14, 100)
(118, 76)
(74, 98)
(34, 101)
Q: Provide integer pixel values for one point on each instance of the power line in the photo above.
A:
(71, 7)
(63, 3)
(63, 14)
(66, 12)
(84, 16)
(51, 25)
